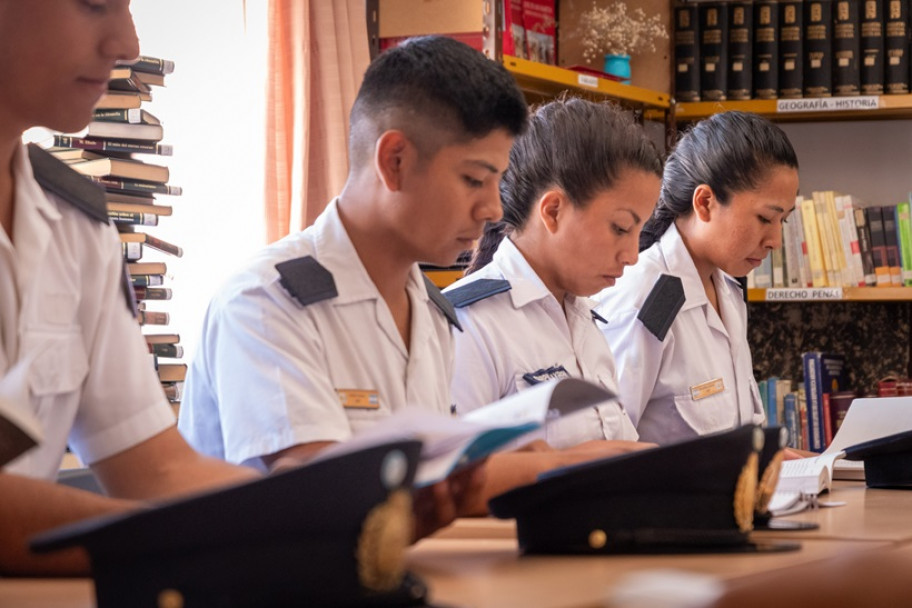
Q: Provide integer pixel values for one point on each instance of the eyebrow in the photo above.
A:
(485, 165)
(636, 218)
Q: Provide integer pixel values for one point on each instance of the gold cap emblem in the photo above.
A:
(745, 494)
(386, 533)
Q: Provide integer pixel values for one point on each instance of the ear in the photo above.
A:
(704, 202)
(551, 208)
(390, 154)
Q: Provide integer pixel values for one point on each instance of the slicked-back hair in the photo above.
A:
(437, 91)
(730, 152)
(578, 146)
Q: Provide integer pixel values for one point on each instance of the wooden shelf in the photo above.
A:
(849, 294)
(547, 81)
(888, 107)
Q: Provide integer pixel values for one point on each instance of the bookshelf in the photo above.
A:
(846, 294)
(887, 107)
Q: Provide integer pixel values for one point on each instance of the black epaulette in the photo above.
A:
(662, 305)
(56, 177)
(442, 303)
(742, 283)
(476, 291)
(597, 317)
(307, 280)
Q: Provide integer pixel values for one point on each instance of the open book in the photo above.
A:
(867, 419)
(451, 442)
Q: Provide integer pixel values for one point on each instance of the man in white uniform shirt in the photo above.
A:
(71, 354)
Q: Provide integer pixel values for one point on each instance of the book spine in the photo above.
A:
(172, 351)
(127, 115)
(163, 246)
(173, 390)
(112, 145)
(874, 220)
(152, 293)
(904, 228)
(766, 49)
(827, 419)
(872, 48)
(153, 65)
(713, 50)
(896, 47)
(813, 391)
(687, 52)
(147, 280)
(864, 247)
(891, 240)
(846, 48)
(131, 251)
(127, 217)
(818, 48)
(740, 50)
(151, 317)
(791, 49)
(790, 407)
(130, 185)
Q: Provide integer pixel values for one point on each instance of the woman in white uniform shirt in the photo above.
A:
(580, 184)
(677, 323)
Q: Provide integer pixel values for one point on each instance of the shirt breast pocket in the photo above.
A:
(59, 362)
(708, 414)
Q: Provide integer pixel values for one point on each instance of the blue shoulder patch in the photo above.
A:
(476, 291)
(662, 305)
(442, 302)
(56, 177)
(306, 280)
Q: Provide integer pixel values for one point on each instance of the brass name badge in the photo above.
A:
(708, 388)
(359, 399)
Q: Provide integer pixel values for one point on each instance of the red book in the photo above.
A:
(539, 22)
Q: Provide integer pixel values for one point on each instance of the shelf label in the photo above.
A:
(799, 295)
(829, 104)
(587, 81)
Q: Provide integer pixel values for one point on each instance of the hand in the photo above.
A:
(793, 454)
(438, 505)
(604, 448)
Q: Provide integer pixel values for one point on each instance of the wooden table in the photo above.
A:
(475, 562)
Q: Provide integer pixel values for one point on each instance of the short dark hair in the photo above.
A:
(573, 144)
(437, 91)
(729, 152)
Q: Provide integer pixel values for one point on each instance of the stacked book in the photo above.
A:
(108, 152)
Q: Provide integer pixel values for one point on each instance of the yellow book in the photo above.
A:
(812, 239)
(825, 238)
(839, 258)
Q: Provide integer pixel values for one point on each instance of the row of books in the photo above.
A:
(813, 409)
(835, 240)
(106, 152)
(767, 49)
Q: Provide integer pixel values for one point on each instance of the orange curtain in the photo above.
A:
(318, 51)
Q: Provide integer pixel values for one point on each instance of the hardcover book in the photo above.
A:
(791, 49)
(766, 49)
(864, 245)
(872, 47)
(823, 373)
(846, 48)
(740, 49)
(891, 239)
(818, 48)
(514, 34)
(541, 38)
(713, 28)
(687, 52)
(875, 221)
(896, 47)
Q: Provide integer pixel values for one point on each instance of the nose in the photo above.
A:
(490, 209)
(630, 251)
(121, 42)
(774, 237)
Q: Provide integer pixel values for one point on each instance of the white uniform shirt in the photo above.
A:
(671, 388)
(70, 350)
(272, 373)
(525, 331)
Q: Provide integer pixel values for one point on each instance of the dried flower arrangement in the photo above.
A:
(615, 30)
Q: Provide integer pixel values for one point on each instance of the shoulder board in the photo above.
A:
(662, 305)
(126, 286)
(56, 177)
(476, 291)
(442, 303)
(597, 317)
(306, 280)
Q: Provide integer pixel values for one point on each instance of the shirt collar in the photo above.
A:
(334, 250)
(680, 263)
